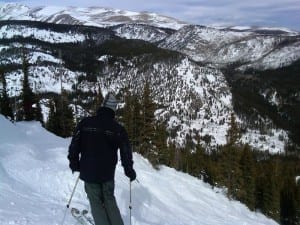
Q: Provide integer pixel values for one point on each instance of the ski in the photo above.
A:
(82, 217)
(89, 219)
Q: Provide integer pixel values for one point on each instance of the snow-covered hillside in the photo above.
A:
(36, 184)
(250, 48)
(92, 16)
(194, 100)
(141, 32)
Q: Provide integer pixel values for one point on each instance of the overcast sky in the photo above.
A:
(271, 13)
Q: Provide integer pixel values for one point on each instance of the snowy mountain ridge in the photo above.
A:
(36, 184)
(196, 100)
(212, 46)
(92, 16)
(248, 49)
(259, 48)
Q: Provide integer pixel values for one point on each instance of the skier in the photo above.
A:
(93, 152)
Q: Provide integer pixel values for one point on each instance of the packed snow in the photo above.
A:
(36, 185)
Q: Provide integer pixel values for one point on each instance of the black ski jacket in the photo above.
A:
(94, 147)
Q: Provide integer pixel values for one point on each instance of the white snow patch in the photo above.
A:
(273, 142)
(10, 31)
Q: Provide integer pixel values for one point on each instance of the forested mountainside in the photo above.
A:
(178, 85)
(258, 49)
(192, 98)
(272, 93)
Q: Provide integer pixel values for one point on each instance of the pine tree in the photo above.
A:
(230, 171)
(172, 150)
(137, 122)
(161, 145)
(38, 111)
(298, 203)
(177, 157)
(289, 194)
(197, 161)
(233, 133)
(148, 128)
(259, 188)
(288, 202)
(270, 191)
(127, 115)
(5, 106)
(247, 164)
(66, 116)
(132, 119)
(61, 119)
(27, 94)
(53, 121)
(211, 170)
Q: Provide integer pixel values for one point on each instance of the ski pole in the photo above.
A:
(69, 202)
(130, 200)
(130, 207)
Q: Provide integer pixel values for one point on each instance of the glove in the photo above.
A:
(74, 166)
(130, 173)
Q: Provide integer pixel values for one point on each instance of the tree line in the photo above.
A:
(264, 182)
(27, 107)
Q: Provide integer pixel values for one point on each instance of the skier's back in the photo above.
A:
(94, 152)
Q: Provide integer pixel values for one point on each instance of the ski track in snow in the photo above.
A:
(36, 184)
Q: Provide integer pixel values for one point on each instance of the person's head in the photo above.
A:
(110, 102)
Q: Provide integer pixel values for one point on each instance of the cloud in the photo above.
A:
(263, 13)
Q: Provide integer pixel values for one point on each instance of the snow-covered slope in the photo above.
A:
(250, 48)
(36, 185)
(195, 100)
(142, 32)
(92, 16)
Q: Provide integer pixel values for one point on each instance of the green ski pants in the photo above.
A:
(103, 203)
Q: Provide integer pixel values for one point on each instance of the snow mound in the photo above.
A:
(36, 184)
